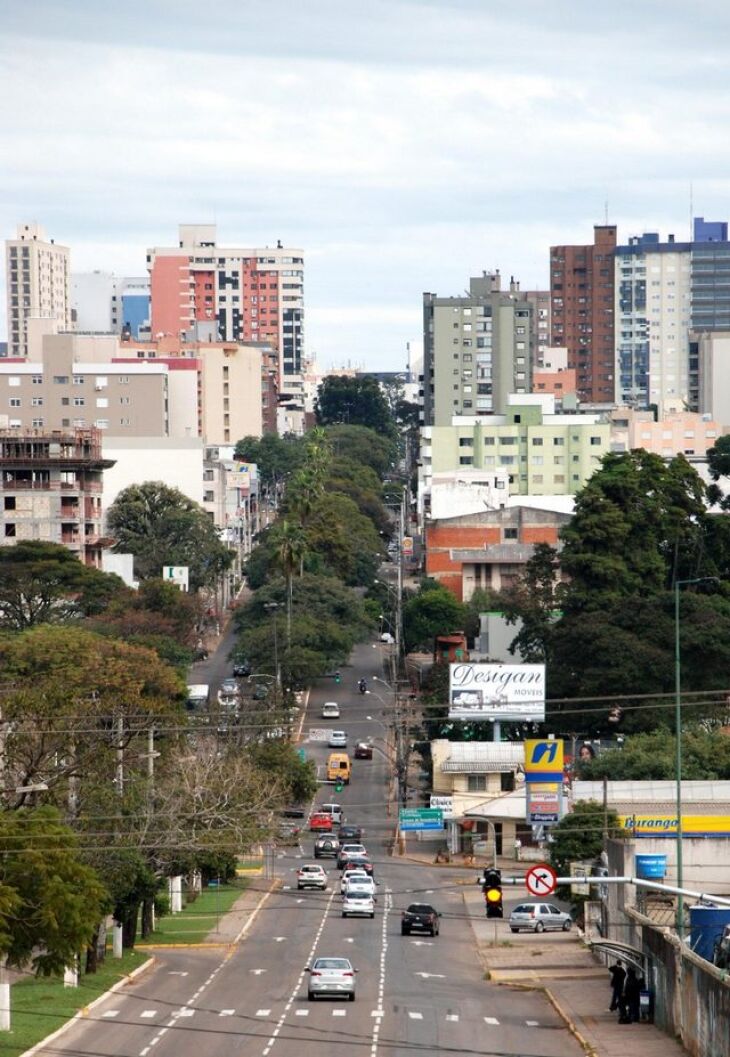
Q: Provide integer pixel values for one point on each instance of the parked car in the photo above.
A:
(311, 875)
(350, 832)
(337, 739)
(421, 916)
(293, 811)
(228, 690)
(330, 710)
(350, 853)
(287, 832)
(321, 821)
(260, 691)
(326, 848)
(354, 904)
(241, 669)
(363, 751)
(539, 917)
(387, 637)
(331, 976)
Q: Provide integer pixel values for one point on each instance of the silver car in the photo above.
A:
(539, 917)
(331, 976)
(356, 903)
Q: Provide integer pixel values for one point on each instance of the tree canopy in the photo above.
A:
(276, 457)
(363, 445)
(161, 526)
(578, 837)
(432, 611)
(356, 401)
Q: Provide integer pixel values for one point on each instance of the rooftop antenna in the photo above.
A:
(691, 210)
(605, 212)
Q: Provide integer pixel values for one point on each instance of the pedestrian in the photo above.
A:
(632, 997)
(618, 976)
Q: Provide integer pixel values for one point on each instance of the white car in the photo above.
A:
(334, 810)
(356, 904)
(350, 874)
(337, 739)
(330, 710)
(360, 885)
(387, 638)
(311, 875)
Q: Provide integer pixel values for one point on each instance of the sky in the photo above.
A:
(404, 145)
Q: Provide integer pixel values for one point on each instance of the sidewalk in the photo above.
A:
(234, 924)
(573, 981)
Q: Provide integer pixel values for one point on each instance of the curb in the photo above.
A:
(82, 1013)
(570, 1023)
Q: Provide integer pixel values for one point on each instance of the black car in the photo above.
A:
(419, 916)
(241, 669)
(348, 833)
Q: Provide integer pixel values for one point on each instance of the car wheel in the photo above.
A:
(310, 996)
(567, 926)
(404, 932)
(539, 927)
(351, 996)
(372, 915)
(514, 930)
(433, 931)
(344, 914)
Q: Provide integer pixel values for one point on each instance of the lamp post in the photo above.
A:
(272, 607)
(678, 734)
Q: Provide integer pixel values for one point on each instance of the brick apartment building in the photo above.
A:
(487, 550)
(582, 312)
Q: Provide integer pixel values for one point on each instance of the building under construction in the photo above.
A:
(51, 489)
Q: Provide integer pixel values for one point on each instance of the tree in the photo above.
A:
(652, 757)
(276, 457)
(365, 446)
(347, 542)
(290, 547)
(161, 526)
(45, 583)
(433, 611)
(356, 401)
(578, 837)
(532, 601)
(298, 777)
(638, 525)
(50, 901)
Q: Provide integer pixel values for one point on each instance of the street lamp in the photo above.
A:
(272, 607)
(678, 734)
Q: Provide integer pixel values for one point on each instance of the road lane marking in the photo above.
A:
(491, 1020)
(452, 1016)
(111, 1013)
(263, 1012)
(257, 972)
(339, 1012)
(415, 1016)
(149, 1012)
(533, 1023)
(279, 939)
(226, 1013)
(301, 1013)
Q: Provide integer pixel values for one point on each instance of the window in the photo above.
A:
(79, 401)
(124, 379)
(510, 534)
(466, 460)
(102, 401)
(60, 379)
(476, 783)
(489, 440)
(508, 440)
(101, 381)
(14, 381)
(78, 379)
(102, 423)
(537, 460)
(14, 401)
(209, 497)
(124, 400)
(124, 421)
(537, 442)
(559, 478)
(595, 441)
(559, 441)
(37, 401)
(537, 478)
(37, 423)
(10, 502)
(466, 442)
(79, 423)
(37, 379)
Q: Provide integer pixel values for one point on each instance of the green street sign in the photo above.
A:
(418, 818)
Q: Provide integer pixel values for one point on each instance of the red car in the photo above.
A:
(321, 821)
(363, 751)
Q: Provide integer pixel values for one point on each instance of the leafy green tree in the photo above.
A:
(276, 457)
(44, 583)
(363, 445)
(718, 463)
(50, 901)
(532, 601)
(161, 526)
(360, 483)
(637, 525)
(578, 837)
(652, 757)
(357, 401)
(348, 543)
(298, 777)
(433, 611)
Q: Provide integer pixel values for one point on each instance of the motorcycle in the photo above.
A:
(362, 686)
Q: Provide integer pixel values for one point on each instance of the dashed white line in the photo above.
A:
(149, 1012)
(452, 1016)
(111, 1013)
(301, 1013)
(533, 1023)
(491, 1020)
(263, 1012)
(226, 1013)
(339, 1012)
(414, 1015)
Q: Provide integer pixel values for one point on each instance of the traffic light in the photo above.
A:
(338, 786)
(337, 677)
(492, 888)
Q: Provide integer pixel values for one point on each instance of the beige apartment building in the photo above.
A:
(38, 280)
(677, 433)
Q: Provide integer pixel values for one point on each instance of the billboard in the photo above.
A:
(496, 691)
(543, 760)
(444, 803)
(544, 802)
(666, 825)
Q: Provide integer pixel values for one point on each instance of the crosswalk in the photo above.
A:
(319, 1010)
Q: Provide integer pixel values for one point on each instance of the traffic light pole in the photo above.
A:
(640, 882)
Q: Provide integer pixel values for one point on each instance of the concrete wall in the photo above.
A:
(176, 461)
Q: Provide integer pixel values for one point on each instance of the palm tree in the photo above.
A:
(290, 548)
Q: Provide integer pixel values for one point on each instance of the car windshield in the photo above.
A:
(421, 908)
(524, 909)
(332, 963)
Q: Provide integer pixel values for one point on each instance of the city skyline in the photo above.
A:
(404, 147)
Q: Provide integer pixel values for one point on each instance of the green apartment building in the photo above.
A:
(542, 452)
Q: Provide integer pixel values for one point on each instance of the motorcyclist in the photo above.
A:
(362, 686)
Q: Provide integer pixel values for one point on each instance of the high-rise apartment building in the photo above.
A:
(710, 275)
(539, 325)
(103, 302)
(652, 322)
(582, 311)
(38, 284)
(476, 350)
(208, 292)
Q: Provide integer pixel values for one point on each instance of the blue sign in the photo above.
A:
(415, 818)
(648, 866)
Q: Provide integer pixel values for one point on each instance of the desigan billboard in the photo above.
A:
(496, 691)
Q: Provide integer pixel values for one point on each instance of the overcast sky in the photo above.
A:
(404, 144)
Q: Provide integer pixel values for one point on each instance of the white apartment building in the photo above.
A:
(38, 284)
(653, 309)
(104, 302)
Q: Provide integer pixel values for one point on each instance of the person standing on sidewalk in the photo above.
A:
(618, 976)
(632, 997)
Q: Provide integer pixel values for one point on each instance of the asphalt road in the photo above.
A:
(414, 994)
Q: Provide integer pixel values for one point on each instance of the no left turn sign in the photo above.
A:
(541, 880)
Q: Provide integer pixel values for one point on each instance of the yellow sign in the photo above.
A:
(543, 761)
(666, 825)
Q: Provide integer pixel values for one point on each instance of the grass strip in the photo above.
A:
(198, 918)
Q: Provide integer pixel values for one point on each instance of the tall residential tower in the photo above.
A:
(38, 284)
